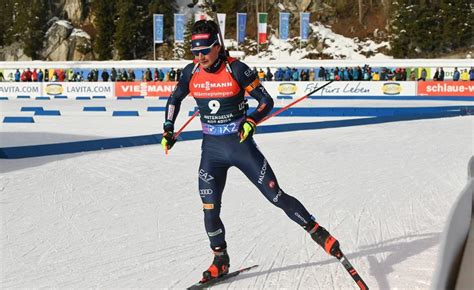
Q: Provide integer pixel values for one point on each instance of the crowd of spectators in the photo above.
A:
(365, 73)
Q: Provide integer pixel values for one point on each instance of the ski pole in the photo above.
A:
(175, 137)
(264, 119)
(294, 102)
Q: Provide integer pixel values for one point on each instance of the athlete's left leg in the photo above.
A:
(253, 164)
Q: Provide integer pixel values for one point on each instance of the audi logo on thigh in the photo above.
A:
(207, 191)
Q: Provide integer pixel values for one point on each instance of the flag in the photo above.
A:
(262, 27)
(241, 27)
(304, 25)
(158, 28)
(284, 25)
(179, 28)
(221, 19)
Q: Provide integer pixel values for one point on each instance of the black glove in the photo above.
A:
(168, 140)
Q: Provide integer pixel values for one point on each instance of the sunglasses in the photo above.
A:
(203, 50)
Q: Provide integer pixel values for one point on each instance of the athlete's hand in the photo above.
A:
(167, 141)
(247, 129)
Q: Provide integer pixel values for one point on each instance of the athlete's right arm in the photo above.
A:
(180, 92)
(173, 105)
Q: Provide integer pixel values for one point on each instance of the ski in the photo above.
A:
(220, 279)
(350, 269)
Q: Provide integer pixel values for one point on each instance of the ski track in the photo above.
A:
(132, 217)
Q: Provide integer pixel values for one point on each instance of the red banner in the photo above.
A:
(446, 88)
(146, 89)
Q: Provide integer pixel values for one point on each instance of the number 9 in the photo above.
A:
(214, 106)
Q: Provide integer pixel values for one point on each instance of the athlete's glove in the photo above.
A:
(247, 129)
(167, 141)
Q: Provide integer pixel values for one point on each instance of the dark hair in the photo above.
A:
(205, 26)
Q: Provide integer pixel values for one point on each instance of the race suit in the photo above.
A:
(219, 92)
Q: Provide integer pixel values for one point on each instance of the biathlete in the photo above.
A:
(218, 84)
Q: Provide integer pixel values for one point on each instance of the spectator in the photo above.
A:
(105, 76)
(54, 78)
(96, 75)
(34, 76)
(2, 78)
(178, 74)
(90, 76)
(162, 75)
(156, 75)
(61, 75)
(172, 73)
(436, 75)
(464, 75)
(294, 75)
(46, 75)
(279, 74)
(261, 75)
(287, 75)
(441, 75)
(375, 76)
(113, 75)
(456, 74)
(322, 74)
(268, 75)
(124, 76)
(40, 75)
(312, 74)
(423, 75)
(131, 75)
(471, 74)
(412, 75)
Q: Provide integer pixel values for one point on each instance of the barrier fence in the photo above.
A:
(276, 89)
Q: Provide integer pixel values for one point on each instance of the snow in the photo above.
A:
(64, 23)
(132, 218)
(80, 33)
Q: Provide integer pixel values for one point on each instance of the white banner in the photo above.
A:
(342, 88)
(221, 19)
(76, 89)
(14, 89)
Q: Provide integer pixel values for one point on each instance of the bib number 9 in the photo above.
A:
(214, 106)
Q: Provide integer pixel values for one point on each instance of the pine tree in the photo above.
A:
(105, 12)
(125, 34)
(6, 22)
(30, 24)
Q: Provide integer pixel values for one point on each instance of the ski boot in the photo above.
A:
(219, 267)
(322, 237)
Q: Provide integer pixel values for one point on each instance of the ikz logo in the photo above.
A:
(391, 89)
(54, 89)
(287, 88)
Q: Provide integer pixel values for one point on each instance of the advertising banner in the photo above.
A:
(158, 28)
(284, 25)
(78, 89)
(145, 89)
(304, 25)
(179, 28)
(341, 88)
(221, 19)
(446, 88)
(241, 27)
(14, 89)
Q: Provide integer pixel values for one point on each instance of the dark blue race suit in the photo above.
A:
(219, 93)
